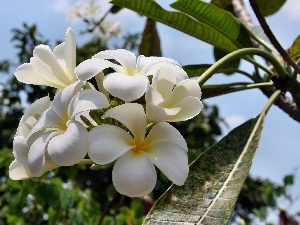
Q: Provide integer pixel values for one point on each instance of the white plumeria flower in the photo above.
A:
(19, 169)
(170, 100)
(54, 69)
(130, 81)
(133, 173)
(58, 138)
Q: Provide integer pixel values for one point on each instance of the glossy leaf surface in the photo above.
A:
(227, 35)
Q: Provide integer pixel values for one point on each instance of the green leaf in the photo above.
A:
(294, 50)
(209, 91)
(214, 183)
(268, 7)
(220, 20)
(179, 21)
(150, 44)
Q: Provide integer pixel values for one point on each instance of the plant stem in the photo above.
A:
(271, 101)
(271, 36)
(237, 54)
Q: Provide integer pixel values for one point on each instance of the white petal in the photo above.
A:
(61, 102)
(170, 159)
(91, 67)
(127, 88)
(164, 82)
(37, 107)
(59, 53)
(37, 154)
(28, 120)
(145, 63)
(132, 115)
(134, 175)
(107, 142)
(44, 62)
(164, 132)
(157, 114)
(18, 171)
(20, 149)
(26, 74)
(87, 100)
(49, 119)
(170, 70)
(126, 58)
(184, 89)
(190, 107)
(70, 51)
(152, 96)
(70, 147)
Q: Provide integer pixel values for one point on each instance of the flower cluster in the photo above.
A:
(141, 93)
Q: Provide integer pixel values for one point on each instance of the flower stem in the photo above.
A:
(237, 54)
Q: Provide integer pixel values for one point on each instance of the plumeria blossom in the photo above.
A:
(59, 138)
(51, 68)
(134, 172)
(91, 13)
(130, 79)
(19, 167)
(170, 100)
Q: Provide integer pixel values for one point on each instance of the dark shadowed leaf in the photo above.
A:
(222, 4)
(214, 183)
(150, 45)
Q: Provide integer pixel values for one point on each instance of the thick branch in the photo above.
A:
(283, 102)
(271, 36)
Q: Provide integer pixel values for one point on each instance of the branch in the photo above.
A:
(271, 36)
(283, 102)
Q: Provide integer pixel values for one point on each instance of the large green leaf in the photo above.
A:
(214, 183)
(222, 21)
(180, 21)
(209, 91)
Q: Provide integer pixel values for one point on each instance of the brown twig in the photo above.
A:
(283, 102)
(270, 35)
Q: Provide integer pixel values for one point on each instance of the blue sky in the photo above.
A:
(279, 150)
